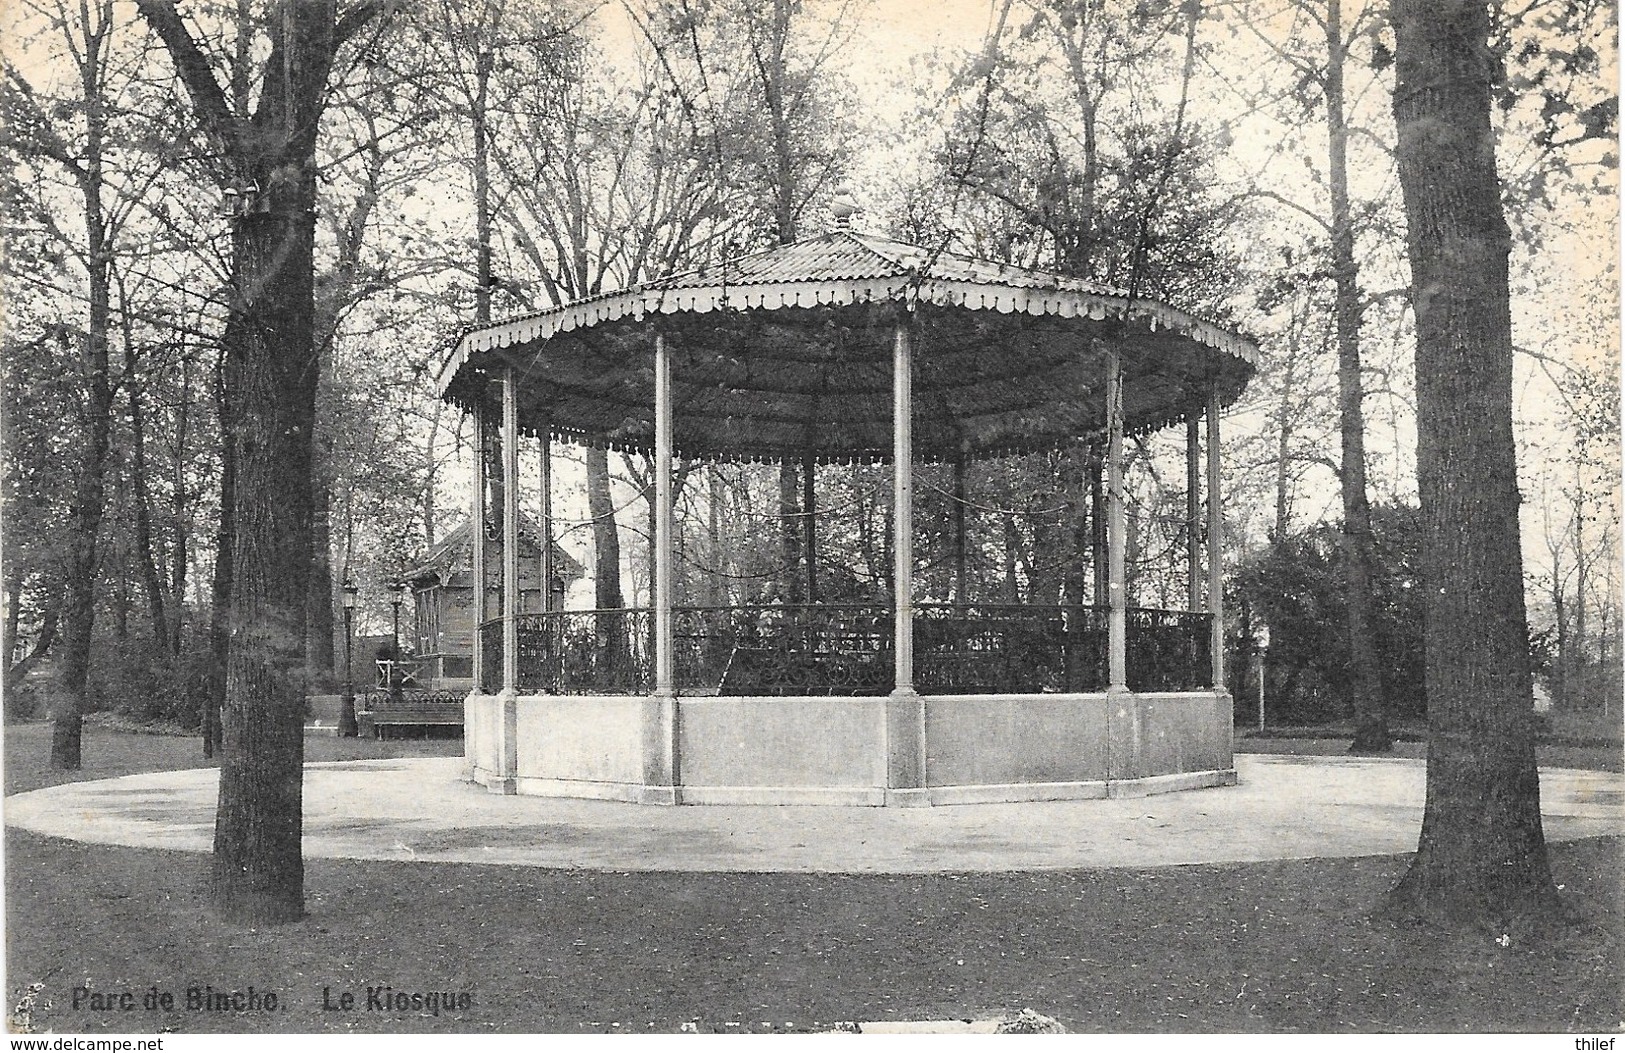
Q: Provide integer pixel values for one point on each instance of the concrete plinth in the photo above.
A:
(897, 751)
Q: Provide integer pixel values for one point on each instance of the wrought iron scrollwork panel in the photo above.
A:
(834, 649)
(783, 649)
(1169, 650)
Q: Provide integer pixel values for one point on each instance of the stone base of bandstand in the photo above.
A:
(897, 751)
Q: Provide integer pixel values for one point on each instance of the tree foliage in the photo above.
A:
(1298, 588)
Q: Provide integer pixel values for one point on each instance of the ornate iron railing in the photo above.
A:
(962, 649)
(489, 674)
(846, 649)
(373, 700)
(606, 652)
(1169, 650)
(784, 649)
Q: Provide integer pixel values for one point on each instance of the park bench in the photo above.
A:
(397, 703)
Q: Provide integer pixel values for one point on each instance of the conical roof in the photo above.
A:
(787, 353)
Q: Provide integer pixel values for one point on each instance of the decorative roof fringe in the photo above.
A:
(1004, 300)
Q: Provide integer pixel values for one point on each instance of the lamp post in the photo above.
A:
(397, 674)
(1263, 652)
(347, 725)
(397, 591)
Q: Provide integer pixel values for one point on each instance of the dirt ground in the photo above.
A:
(1297, 946)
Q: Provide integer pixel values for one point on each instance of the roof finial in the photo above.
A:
(842, 207)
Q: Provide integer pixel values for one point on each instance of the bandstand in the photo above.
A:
(840, 349)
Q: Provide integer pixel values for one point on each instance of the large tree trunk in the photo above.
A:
(1371, 733)
(271, 373)
(1481, 858)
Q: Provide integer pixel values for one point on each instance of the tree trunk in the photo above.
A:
(790, 528)
(321, 663)
(1010, 550)
(180, 555)
(605, 538)
(17, 670)
(1577, 639)
(271, 375)
(606, 566)
(866, 508)
(1371, 734)
(773, 71)
(961, 534)
(1481, 858)
(152, 582)
(85, 514)
(1097, 525)
(1560, 684)
(431, 475)
(121, 593)
(271, 372)
(13, 619)
(1074, 465)
(1285, 425)
(715, 582)
(78, 613)
(220, 585)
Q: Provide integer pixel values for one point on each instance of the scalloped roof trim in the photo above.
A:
(976, 296)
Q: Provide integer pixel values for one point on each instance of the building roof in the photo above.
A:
(786, 353)
(452, 558)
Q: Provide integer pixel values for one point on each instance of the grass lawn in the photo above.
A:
(107, 754)
(1281, 947)
(1555, 755)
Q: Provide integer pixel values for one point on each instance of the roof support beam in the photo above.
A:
(508, 709)
(1193, 512)
(1116, 531)
(1215, 540)
(510, 533)
(903, 506)
(476, 534)
(905, 710)
(544, 471)
(660, 762)
(809, 515)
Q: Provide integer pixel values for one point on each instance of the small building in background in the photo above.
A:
(443, 594)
